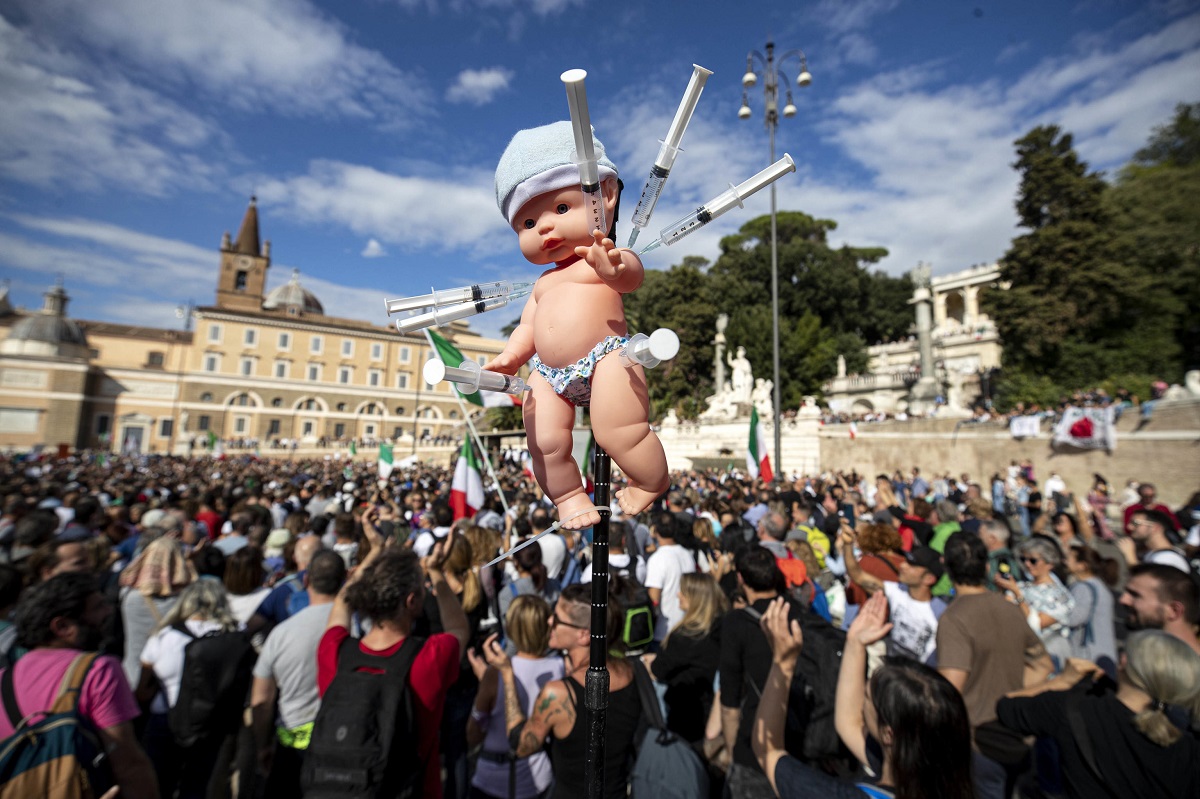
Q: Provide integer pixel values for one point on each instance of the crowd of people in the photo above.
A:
(269, 628)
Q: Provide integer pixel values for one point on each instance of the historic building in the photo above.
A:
(256, 368)
(965, 349)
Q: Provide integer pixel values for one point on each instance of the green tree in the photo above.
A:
(679, 299)
(1076, 311)
(1155, 212)
(829, 303)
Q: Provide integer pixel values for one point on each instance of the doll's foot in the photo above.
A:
(577, 512)
(633, 499)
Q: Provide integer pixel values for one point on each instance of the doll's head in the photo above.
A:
(540, 160)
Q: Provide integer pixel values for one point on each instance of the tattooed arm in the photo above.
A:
(553, 711)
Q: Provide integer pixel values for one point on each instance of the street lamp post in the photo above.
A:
(771, 73)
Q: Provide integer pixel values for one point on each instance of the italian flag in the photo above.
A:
(353, 448)
(452, 357)
(466, 492)
(758, 463)
(385, 461)
(853, 430)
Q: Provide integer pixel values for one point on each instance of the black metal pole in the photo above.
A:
(596, 687)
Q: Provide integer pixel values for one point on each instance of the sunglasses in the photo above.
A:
(560, 623)
(1031, 561)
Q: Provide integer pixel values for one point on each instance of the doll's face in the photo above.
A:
(550, 226)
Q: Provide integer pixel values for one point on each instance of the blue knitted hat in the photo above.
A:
(539, 160)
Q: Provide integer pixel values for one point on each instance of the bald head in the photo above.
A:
(306, 547)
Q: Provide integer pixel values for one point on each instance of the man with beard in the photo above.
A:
(57, 621)
(1160, 597)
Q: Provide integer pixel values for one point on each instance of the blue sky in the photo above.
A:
(132, 132)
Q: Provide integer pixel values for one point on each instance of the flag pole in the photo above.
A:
(471, 426)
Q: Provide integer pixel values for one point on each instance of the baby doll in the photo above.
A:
(573, 326)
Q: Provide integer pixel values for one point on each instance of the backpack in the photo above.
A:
(60, 756)
(364, 740)
(637, 630)
(217, 672)
(667, 767)
(809, 733)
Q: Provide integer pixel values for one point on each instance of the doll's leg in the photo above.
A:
(619, 411)
(549, 420)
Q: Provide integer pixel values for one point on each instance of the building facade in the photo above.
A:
(966, 347)
(254, 369)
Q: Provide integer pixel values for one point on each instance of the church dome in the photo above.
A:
(294, 296)
(49, 332)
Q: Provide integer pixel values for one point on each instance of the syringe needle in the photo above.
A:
(633, 237)
(654, 245)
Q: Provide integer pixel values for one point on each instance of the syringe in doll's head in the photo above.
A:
(666, 154)
(585, 151)
(471, 377)
(722, 203)
(458, 303)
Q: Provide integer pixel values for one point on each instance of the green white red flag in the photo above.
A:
(758, 463)
(453, 358)
(466, 492)
(385, 461)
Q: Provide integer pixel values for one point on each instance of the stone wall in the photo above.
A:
(1164, 451)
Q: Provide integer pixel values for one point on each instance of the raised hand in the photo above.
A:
(871, 624)
(494, 654)
(783, 635)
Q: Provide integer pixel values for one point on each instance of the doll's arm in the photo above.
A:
(519, 348)
(619, 268)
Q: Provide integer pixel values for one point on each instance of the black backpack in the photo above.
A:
(217, 672)
(810, 733)
(364, 741)
(637, 629)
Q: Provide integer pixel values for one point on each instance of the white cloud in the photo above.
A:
(842, 16)
(442, 213)
(285, 56)
(67, 126)
(373, 249)
(479, 86)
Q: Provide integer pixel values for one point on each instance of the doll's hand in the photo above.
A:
(503, 363)
(603, 256)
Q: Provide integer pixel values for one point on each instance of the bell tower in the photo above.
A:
(244, 264)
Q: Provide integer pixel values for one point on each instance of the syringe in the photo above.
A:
(471, 377)
(650, 351)
(440, 316)
(722, 203)
(585, 151)
(668, 151)
(475, 293)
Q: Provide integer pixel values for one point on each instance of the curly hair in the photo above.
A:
(64, 595)
(382, 593)
(878, 538)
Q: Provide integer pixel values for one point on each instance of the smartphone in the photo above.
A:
(847, 511)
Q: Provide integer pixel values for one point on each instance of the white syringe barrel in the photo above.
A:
(728, 199)
(441, 316)
(683, 115)
(471, 377)
(438, 298)
(585, 151)
(650, 351)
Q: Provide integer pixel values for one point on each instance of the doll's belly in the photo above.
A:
(572, 319)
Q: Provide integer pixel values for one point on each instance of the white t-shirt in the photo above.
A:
(242, 606)
(1168, 557)
(914, 625)
(427, 538)
(619, 564)
(164, 653)
(554, 554)
(667, 566)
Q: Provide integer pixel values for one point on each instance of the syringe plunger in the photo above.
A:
(650, 351)
(479, 291)
(441, 316)
(585, 151)
(472, 377)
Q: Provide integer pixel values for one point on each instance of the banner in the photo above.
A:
(1086, 428)
(1025, 426)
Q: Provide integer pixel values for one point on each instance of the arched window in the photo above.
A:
(309, 405)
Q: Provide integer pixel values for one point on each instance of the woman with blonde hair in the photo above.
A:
(690, 655)
(203, 608)
(1118, 740)
(496, 773)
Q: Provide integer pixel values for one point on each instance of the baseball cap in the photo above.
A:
(927, 559)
